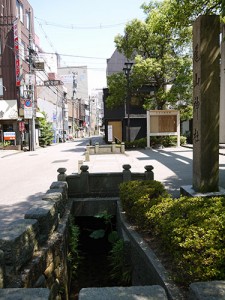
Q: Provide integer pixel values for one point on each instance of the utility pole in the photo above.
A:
(31, 90)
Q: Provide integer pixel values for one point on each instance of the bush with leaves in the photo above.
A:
(138, 196)
(191, 230)
(46, 132)
(165, 141)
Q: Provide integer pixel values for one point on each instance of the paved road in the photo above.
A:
(26, 176)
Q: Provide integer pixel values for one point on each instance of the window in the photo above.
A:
(28, 20)
(0, 45)
(1, 87)
(22, 50)
(19, 10)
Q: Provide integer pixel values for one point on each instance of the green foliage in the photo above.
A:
(162, 53)
(46, 132)
(138, 196)
(190, 230)
(140, 143)
(73, 255)
(120, 267)
(165, 141)
(100, 233)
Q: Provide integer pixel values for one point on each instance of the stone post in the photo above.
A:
(113, 147)
(96, 148)
(149, 175)
(62, 174)
(206, 94)
(87, 155)
(122, 148)
(84, 179)
(80, 163)
(126, 173)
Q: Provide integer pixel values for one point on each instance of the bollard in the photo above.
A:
(113, 147)
(122, 148)
(87, 155)
(126, 173)
(149, 175)
(62, 174)
(96, 148)
(80, 163)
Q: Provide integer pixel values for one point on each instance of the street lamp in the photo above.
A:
(127, 70)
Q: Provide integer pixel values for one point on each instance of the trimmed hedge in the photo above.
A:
(165, 141)
(191, 230)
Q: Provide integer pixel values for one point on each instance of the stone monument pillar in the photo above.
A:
(206, 95)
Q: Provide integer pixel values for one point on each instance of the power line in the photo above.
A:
(77, 27)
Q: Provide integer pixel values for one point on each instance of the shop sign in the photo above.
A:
(9, 136)
(28, 112)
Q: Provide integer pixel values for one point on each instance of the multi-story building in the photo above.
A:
(16, 47)
(75, 81)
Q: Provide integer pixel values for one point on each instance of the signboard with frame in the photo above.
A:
(163, 123)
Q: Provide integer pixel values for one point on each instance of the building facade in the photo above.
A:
(117, 121)
(75, 81)
(16, 45)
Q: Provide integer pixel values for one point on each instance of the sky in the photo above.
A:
(84, 31)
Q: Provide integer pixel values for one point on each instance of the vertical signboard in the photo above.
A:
(110, 133)
(16, 51)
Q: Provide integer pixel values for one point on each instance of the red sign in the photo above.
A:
(21, 126)
(16, 50)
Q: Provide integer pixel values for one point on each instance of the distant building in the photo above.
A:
(116, 120)
(75, 81)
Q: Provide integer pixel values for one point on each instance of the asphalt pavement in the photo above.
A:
(26, 176)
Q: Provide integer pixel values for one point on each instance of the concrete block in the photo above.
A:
(154, 292)
(47, 216)
(212, 290)
(25, 294)
(18, 241)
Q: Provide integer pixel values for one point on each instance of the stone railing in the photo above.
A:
(87, 184)
(106, 149)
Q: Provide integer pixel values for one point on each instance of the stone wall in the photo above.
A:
(34, 249)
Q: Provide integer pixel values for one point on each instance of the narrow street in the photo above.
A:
(26, 176)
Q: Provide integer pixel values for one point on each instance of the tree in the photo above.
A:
(46, 132)
(161, 52)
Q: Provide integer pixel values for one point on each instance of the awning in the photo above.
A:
(8, 110)
(39, 115)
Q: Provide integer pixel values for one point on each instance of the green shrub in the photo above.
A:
(138, 196)
(191, 230)
(165, 141)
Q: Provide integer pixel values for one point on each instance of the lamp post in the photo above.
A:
(127, 70)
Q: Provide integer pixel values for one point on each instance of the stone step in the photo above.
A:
(153, 292)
